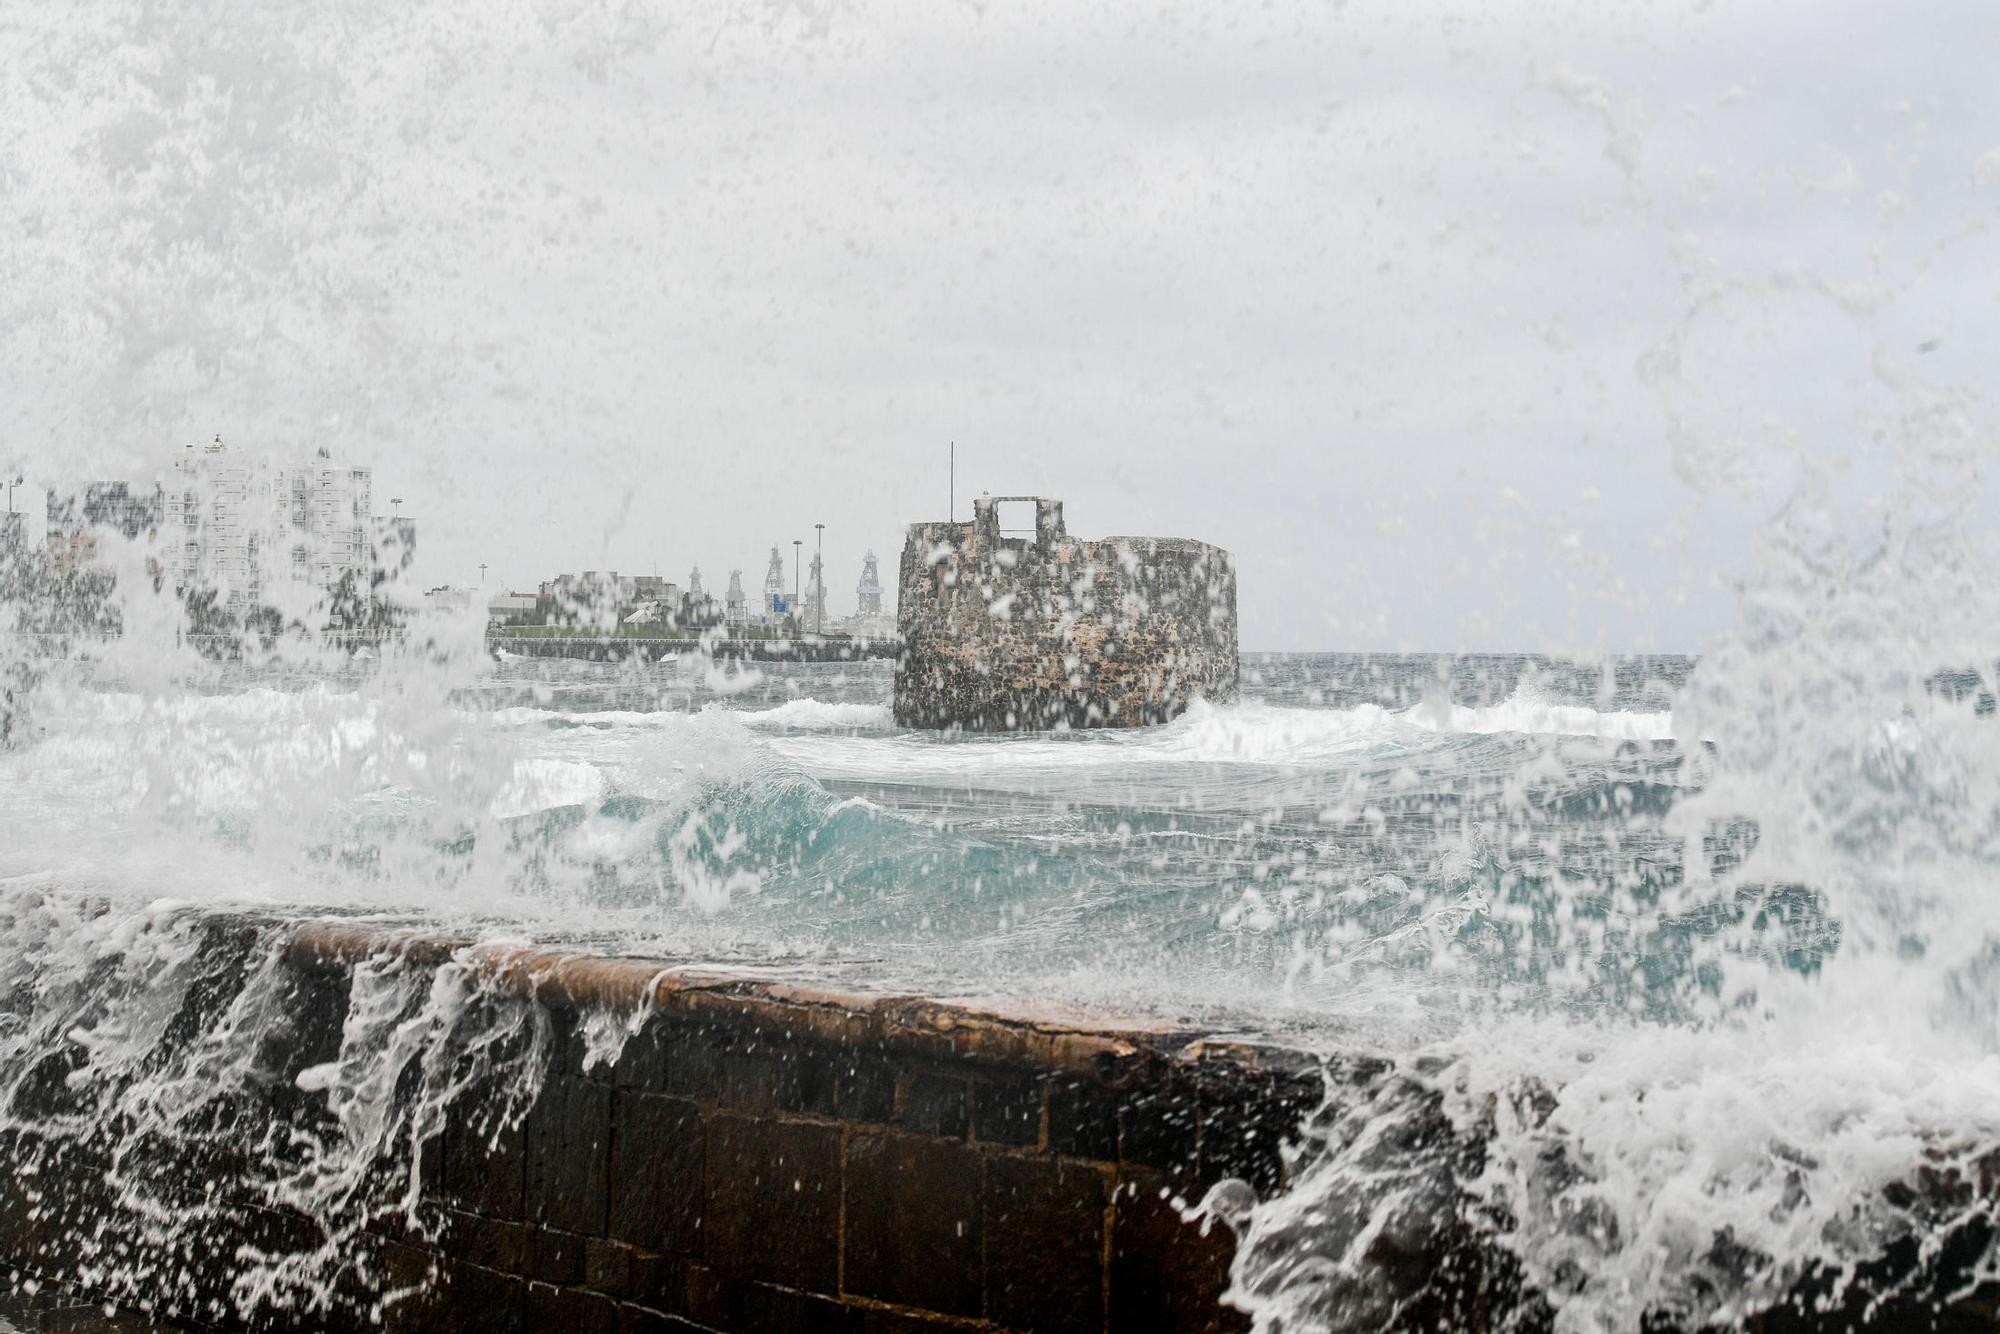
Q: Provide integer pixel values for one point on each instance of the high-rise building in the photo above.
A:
(246, 527)
(239, 526)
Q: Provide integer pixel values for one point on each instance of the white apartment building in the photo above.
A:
(247, 527)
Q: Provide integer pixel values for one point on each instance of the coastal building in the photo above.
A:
(78, 521)
(607, 598)
(246, 527)
(241, 526)
(591, 596)
(649, 588)
(106, 507)
(511, 608)
(663, 607)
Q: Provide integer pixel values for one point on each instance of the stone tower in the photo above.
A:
(1014, 632)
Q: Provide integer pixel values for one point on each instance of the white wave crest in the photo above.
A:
(544, 784)
(1534, 717)
(815, 715)
(1265, 734)
(798, 715)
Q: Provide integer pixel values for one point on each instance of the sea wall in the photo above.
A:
(233, 1122)
(621, 648)
(1039, 630)
(694, 1150)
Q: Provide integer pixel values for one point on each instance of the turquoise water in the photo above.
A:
(1420, 821)
(1711, 937)
(1351, 816)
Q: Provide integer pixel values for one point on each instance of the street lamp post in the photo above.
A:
(797, 542)
(819, 565)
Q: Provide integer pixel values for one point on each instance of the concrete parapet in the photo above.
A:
(756, 1153)
(1006, 631)
(687, 1147)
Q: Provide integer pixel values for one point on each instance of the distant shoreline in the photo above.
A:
(614, 648)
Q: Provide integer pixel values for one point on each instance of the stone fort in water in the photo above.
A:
(1012, 630)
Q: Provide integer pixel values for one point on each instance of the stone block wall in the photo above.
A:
(747, 1169)
(1009, 632)
(757, 1156)
(629, 1146)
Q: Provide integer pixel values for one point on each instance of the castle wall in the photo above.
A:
(1004, 632)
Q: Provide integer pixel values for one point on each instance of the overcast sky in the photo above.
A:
(1462, 325)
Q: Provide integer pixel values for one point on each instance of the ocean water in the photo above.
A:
(1705, 954)
(1244, 864)
(1727, 965)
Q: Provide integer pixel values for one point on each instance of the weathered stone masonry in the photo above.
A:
(763, 1156)
(760, 1157)
(1003, 632)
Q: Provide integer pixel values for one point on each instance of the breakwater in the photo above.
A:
(577, 647)
(234, 1121)
(632, 648)
(326, 1124)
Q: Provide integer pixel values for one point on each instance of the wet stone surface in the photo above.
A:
(1004, 632)
(58, 1310)
(764, 1157)
(753, 1158)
